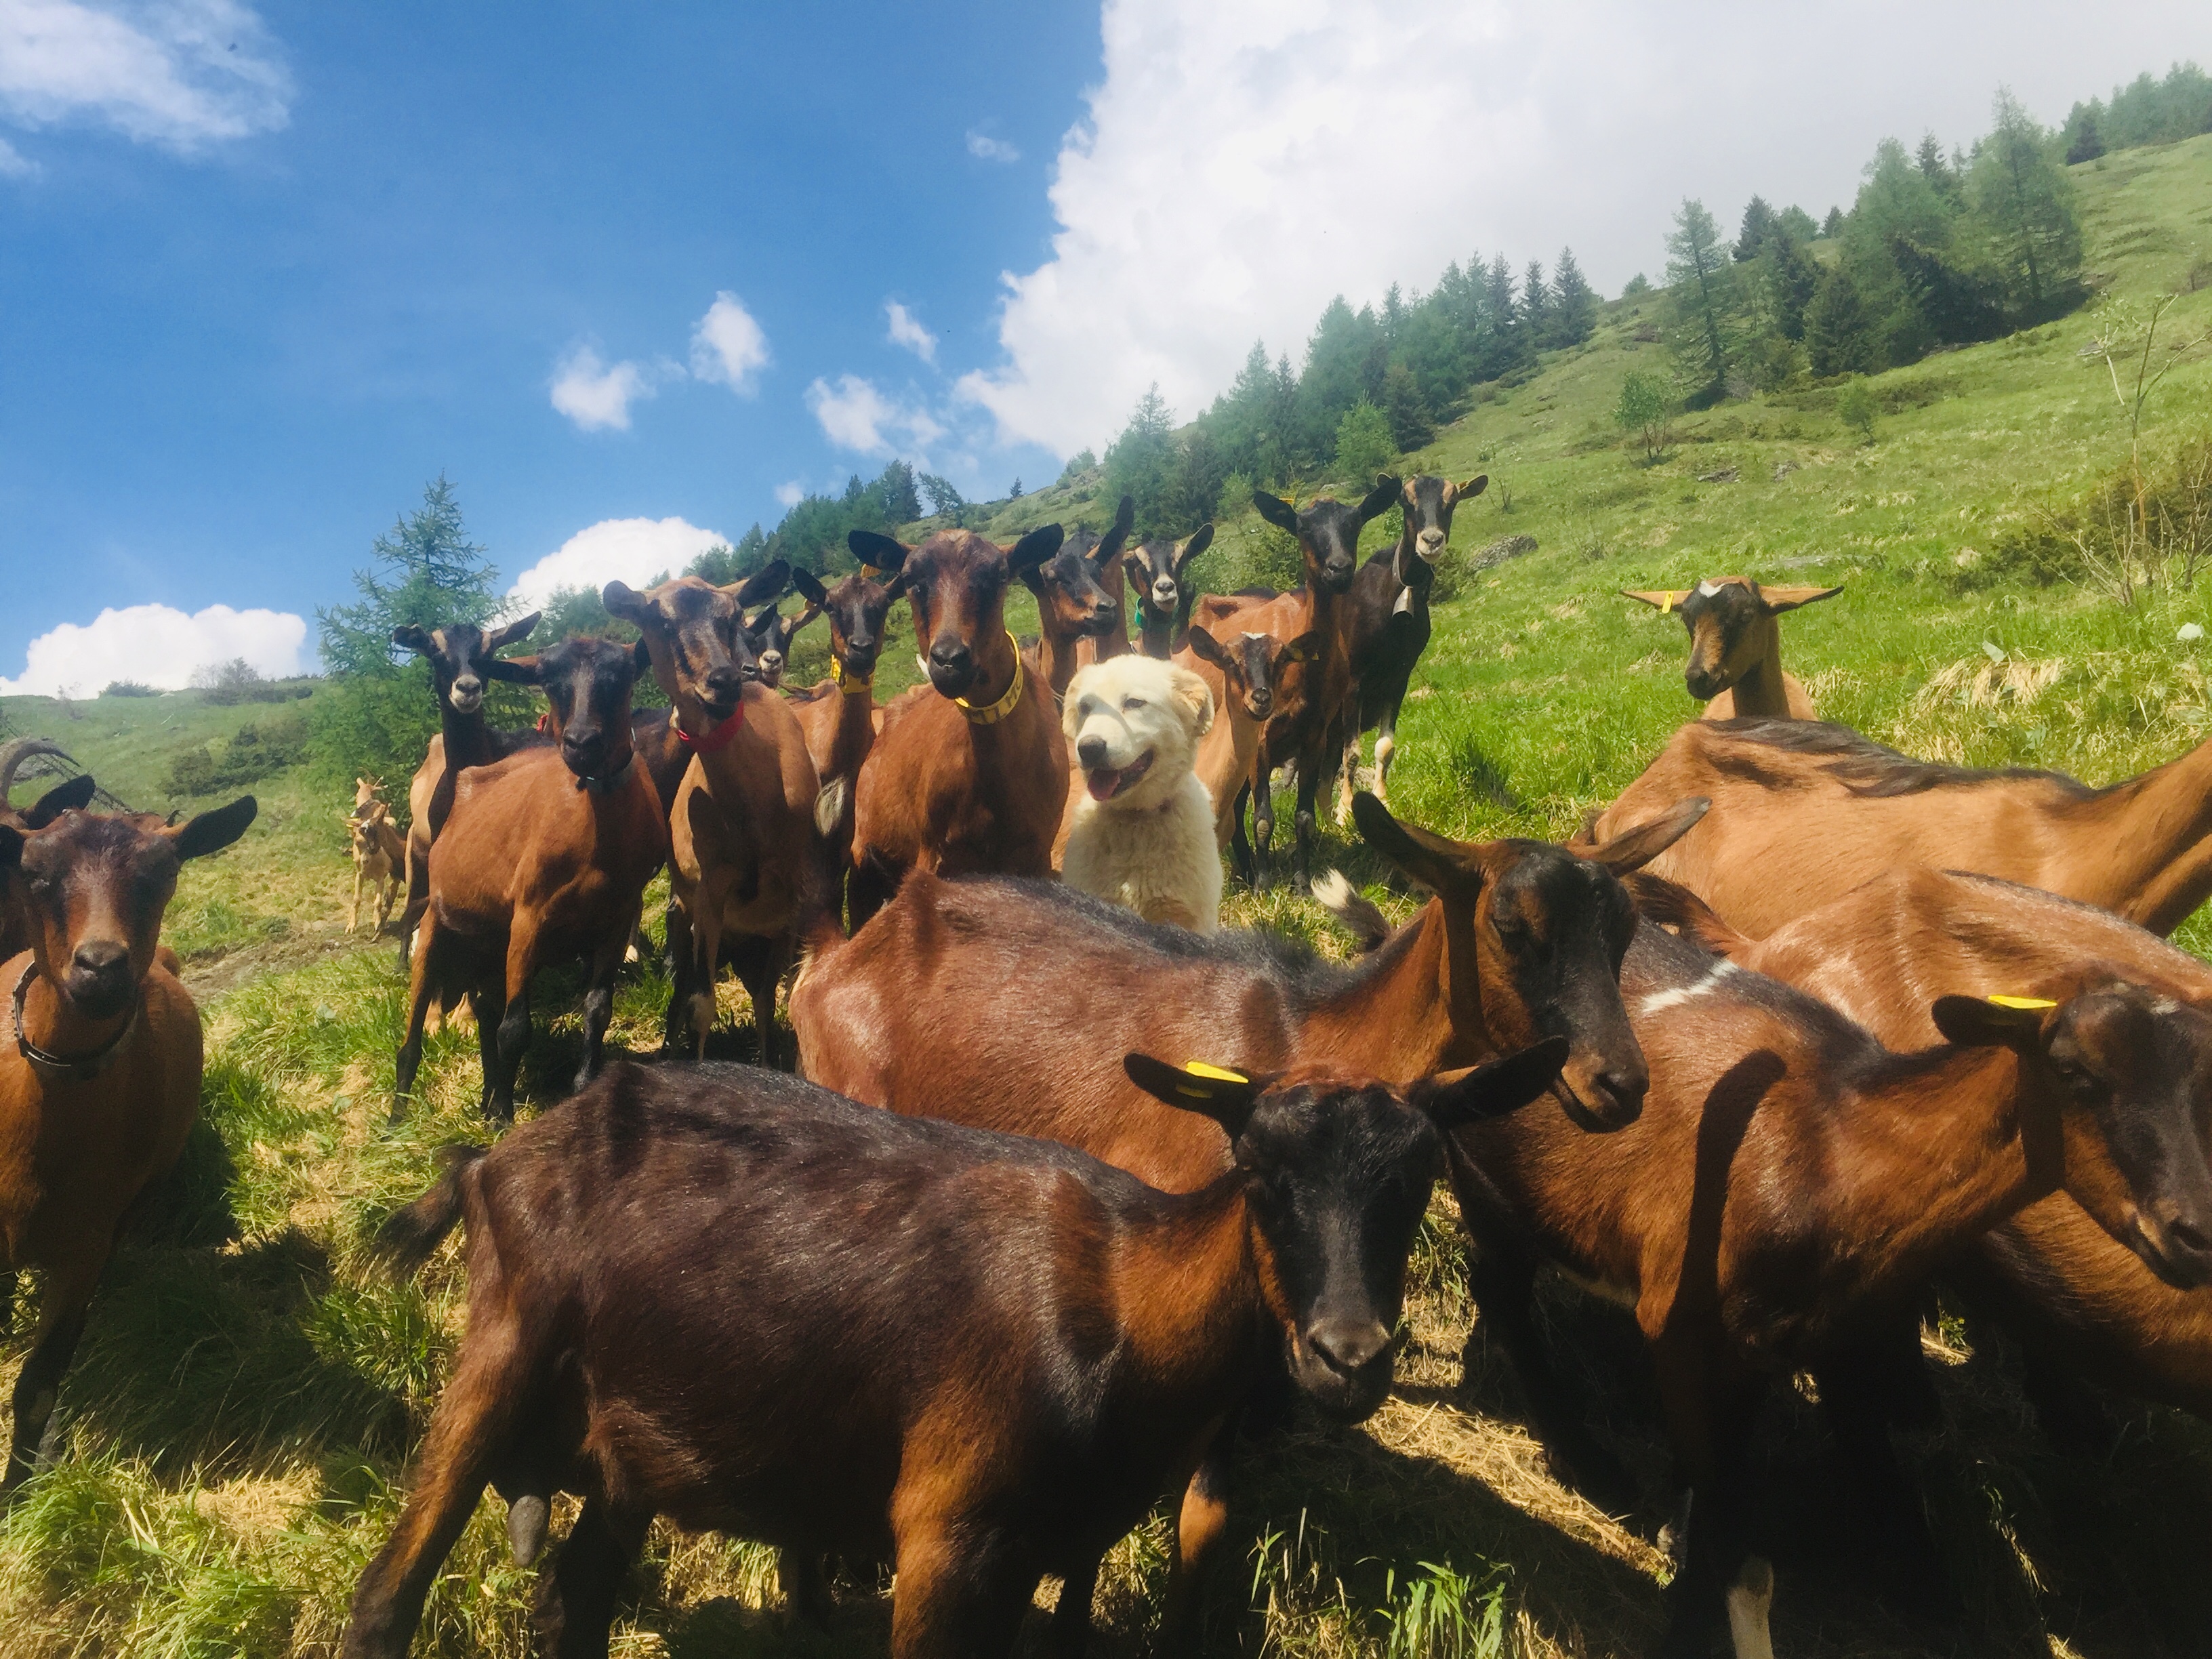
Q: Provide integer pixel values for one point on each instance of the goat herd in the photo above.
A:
(1886, 1024)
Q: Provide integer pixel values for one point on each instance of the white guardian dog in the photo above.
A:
(1141, 832)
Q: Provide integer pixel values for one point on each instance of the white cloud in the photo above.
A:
(181, 74)
(634, 550)
(14, 164)
(856, 415)
(728, 345)
(595, 394)
(1244, 162)
(791, 493)
(158, 645)
(906, 329)
(985, 147)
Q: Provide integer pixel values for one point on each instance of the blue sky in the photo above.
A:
(623, 272)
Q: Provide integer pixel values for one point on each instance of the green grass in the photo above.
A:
(236, 1427)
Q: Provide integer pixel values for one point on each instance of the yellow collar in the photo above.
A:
(850, 688)
(1005, 706)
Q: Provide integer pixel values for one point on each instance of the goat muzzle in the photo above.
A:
(72, 1068)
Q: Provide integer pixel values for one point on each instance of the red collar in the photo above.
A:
(717, 740)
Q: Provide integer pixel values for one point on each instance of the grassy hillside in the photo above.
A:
(237, 1423)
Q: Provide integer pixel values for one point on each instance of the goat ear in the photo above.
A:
(1991, 1022)
(1436, 861)
(408, 637)
(1471, 489)
(1117, 533)
(1138, 570)
(1381, 499)
(1276, 511)
(765, 584)
(1301, 649)
(876, 551)
(1776, 600)
(1205, 646)
(640, 657)
(1491, 1089)
(1196, 697)
(11, 846)
(71, 797)
(1657, 598)
(624, 601)
(516, 671)
(1201, 540)
(1034, 549)
(1634, 848)
(508, 634)
(1224, 1096)
(810, 586)
(210, 832)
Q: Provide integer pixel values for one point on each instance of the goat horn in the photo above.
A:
(13, 755)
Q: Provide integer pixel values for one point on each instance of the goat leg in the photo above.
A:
(1200, 1524)
(575, 1606)
(801, 1575)
(1310, 782)
(514, 1024)
(1263, 820)
(1888, 1514)
(1071, 1614)
(958, 1593)
(1347, 771)
(1240, 848)
(1720, 1585)
(419, 991)
(61, 1322)
(1385, 748)
(759, 961)
(600, 1004)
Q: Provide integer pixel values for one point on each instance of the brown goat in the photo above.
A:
(1242, 677)
(970, 773)
(72, 794)
(101, 1082)
(1078, 595)
(545, 855)
(1311, 701)
(2079, 1303)
(461, 657)
(1789, 1179)
(379, 860)
(1803, 812)
(744, 866)
(1735, 646)
(770, 1311)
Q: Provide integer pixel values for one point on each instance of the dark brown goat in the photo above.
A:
(460, 656)
(2081, 1304)
(1735, 646)
(970, 773)
(1078, 595)
(773, 1312)
(1159, 572)
(545, 856)
(1803, 812)
(1312, 695)
(770, 634)
(1242, 676)
(1789, 1178)
(72, 794)
(745, 862)
(1388, 627)
(655, 733)
(101, 1082)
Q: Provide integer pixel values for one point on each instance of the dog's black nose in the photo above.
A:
(1092, 751)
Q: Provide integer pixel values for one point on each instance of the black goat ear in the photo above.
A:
(1991, 1022)
(212, 831)
(408, 637)
(1276, 511)
(1034, 549)
(640, 656)
(1381, 499)
(876, 551)
(1491, 1089)
(11, 846)
(1201, 540)
(810, 586)
(1203, 645)
(516, 671)
(1215, 1091)
(71, 797)
(763, 585)
(1436, 861)
(508, 634)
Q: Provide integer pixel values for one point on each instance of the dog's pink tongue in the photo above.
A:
(1103, 783)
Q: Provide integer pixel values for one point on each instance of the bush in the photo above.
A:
(238, 681)
(128, 689)
(1363, 448)
(1855, 408)
(254, 753)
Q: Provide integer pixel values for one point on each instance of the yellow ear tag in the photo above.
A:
(1666, 601)
(1219, 1074)
(2022, 1002)
(872, 573)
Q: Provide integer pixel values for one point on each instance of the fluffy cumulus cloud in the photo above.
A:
(728, 345)
(596, 394)
(855, 414)
(790, 492)
(906, 329)
(182, 74)
(634, 550)
(159, 646)
(1244, 162)
(984, 148)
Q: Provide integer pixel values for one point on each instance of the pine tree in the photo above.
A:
(2025, 202)
(895, 489)
(2082, 140)
(1757, 224)
(1702, 290)
(1833, 224)
(1138, 462)
(1838, 335)
(1574, 302)
(1407, 411)
(426, 571)
(1792, 276)
(1536, 305)
(1939, 172)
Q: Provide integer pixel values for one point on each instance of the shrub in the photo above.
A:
(238, 681)
(128, 689)
(1363, 443)
(255, 752)
(1855, 408)
(1643, 411)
